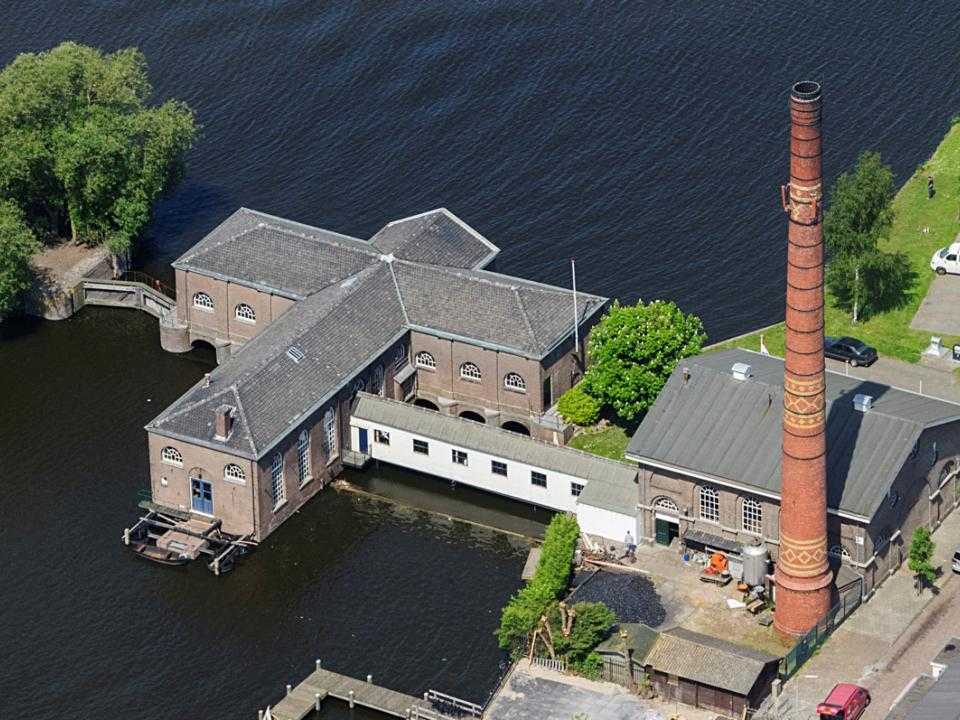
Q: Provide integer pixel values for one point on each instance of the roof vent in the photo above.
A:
(741, 371)
(863, 403)
(296, 353)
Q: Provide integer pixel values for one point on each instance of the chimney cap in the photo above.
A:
(805, 90)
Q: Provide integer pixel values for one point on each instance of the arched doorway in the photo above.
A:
(516, 427)
(424, 403)
(471, 415)
(666, 520)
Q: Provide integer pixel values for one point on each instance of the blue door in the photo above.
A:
(201, 496)
(364, 445)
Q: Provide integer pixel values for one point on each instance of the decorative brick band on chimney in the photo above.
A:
(803, 574)
(222, 422)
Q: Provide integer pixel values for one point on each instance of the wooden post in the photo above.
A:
(316, 702)
(126, 536)
(350, 701)
(370, 679)
(259, 714)
(289, 688)
(216, 570)
(318, 663)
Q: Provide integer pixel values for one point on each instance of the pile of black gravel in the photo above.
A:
(632, 597)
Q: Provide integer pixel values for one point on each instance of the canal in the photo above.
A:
(88, 630)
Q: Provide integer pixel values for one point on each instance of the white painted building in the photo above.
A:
(602, 493)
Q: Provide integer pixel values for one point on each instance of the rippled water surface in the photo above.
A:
(647, 141)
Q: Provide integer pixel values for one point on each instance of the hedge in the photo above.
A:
(549, 581)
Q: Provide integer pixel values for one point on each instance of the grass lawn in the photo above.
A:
(890, 332)
(610, 441)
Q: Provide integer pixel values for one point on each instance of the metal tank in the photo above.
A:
(755, 564)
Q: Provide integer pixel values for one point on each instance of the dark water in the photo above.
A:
(648, 142)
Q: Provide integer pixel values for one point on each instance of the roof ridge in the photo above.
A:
(396, 285)
(164, 416)
(526, 317)
(243, 418)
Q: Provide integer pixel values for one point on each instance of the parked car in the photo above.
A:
(845, 702)
(946, 260)
(956, 559)
(849, 350)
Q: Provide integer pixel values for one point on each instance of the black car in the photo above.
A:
(849, 350)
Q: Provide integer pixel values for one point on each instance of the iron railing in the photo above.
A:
(150, 281)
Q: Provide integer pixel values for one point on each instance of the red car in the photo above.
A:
(845, 702)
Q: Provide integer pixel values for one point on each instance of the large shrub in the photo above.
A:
(550, 579)
(577, 407)
(592, 623)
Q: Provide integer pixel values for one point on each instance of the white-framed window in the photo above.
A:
(538, 479)
(171, 456)
(245, 313)
(303, 457)
(378, 380)
(400, 358)
(278, 490)
(513, 381)
(839, 551)
(709, 504)
(752, 519)
(459, 457)
(498, 468)
(330, 446)
(576, 488)
(202, 301)
(379, 436)
(421, 447)
(425, 360)
(665, 503)
(234, 473)
(470, 371)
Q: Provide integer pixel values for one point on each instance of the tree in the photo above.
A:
(81, 151)
(633, 350)
(919, 557)
(577, 407)
(862, 278)
(17, 245)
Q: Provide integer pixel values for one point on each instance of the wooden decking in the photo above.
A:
(302, 699)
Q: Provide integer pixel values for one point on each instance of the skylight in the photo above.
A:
(296, 353)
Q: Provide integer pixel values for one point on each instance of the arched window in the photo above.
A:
(512, 381)
(358, 385)
(303, 457)
(400, 358)
(469, 371)
(234, 473)
(202, 301)
(752, 520)
(426, 360)
(245, 313)
(665, 503)
(171, 456)
(330, 446)
(277, 489)
(839, 551)
(709, 504)
(378, 380)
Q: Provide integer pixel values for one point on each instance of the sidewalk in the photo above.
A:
(869, 648)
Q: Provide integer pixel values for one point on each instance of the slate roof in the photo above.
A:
(355, 298)
(496, 441)
(730, 429)
(437, 237)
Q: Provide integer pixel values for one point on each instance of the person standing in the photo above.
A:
(631, 545)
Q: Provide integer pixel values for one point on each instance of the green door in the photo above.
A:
(662, 528)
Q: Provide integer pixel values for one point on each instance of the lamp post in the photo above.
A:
(803, 677)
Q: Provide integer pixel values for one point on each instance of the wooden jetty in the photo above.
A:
(309, 695)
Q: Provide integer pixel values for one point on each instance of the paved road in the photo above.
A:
(938, 311)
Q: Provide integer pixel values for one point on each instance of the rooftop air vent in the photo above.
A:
(741, 371)
(862, 402)
(296, 353)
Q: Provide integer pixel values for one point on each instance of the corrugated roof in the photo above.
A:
(714, 424)
(490, 439)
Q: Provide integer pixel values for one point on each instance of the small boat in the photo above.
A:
(158, 554)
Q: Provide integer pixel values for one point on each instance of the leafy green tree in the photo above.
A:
(633, 350)
(591, 624)
(81, 150)
(919, 557)
(577, 407)
(862, 278)
(17, 245)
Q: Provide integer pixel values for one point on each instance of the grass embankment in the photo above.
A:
(610, 441)
(890, 332)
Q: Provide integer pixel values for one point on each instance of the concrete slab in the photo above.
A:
(939, 312)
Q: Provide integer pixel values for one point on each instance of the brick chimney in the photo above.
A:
(803, 575)
(222, 422)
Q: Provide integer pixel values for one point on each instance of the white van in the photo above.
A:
(946, 260)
